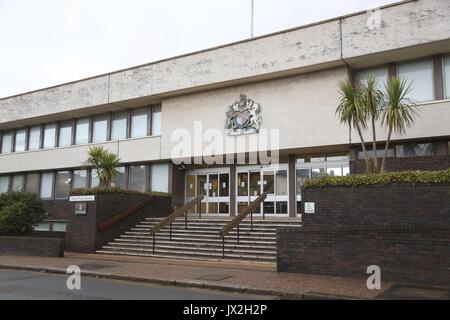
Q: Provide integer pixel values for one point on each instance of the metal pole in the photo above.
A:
(237, 234)
(252, 19)
(170, 236)
(251, 221)
(185, 220)
(223, 247)
(154, 239)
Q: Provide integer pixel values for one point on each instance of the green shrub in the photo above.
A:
(409, 177)
(19, 213)
(101, 190)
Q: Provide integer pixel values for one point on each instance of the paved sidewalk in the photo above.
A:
(242, 277)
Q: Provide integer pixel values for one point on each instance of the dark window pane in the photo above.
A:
(268, 181)
(242, 184)
(269, 207)
(224, 185)
(119, 180)
(416, 150)
(255, 183)
(282, 207)
(62, 184)
(32, 183)
(224, 208)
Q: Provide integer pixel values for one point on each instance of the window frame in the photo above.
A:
(433, 76)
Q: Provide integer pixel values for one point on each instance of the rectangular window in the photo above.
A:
(119, 180)
(32, 183)
(34, 138)
(242, 184)
(46, 190)
(224, 185)
(302, 175)
(17, 183)
(156, 121)
(59, 226)
(160, 177)
(447, 76)
(139, 123)
(381, 74)
(7, 138)
(82, 131)
(421, 75)
(100, 130)
(4, 184)
(95, 181)
(21, 136)
(79, 179)
(268, 182)
(380, 153)
(49, 136)
(65, 133)
(119, 126)
(62, 184)
(137, 179)
(282, 183)
(408, 150)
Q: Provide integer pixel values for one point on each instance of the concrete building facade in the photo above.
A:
(140, 113)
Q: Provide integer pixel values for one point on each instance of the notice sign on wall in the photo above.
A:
(81, 198)
(310, 207)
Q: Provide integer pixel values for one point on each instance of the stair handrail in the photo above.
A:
(238, 219)
(126, 213)
(174, 215)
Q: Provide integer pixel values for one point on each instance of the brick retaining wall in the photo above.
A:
(31, 246)
(404, 229)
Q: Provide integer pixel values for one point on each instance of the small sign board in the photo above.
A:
(310, 207)
(81, 198)
(80, 208)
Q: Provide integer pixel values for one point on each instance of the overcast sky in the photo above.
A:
(48, 42)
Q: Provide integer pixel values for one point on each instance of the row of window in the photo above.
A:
(120, 125)
(57, 185)
(408, 150)
(420, 73)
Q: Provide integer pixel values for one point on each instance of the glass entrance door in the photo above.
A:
(214, 186)
(251, 183)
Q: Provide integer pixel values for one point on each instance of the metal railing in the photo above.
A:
(126, 213)
(238, 219)
(174, 215)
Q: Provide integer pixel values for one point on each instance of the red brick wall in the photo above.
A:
(31, 246)
(83, 235)
(404, 229)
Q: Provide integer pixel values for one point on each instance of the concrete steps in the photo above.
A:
(201, 240)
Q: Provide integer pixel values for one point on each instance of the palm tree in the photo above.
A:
(352, 112)
(399, 111)
(105, 164)
(373, 102)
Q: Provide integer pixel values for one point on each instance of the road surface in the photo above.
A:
(24, 285)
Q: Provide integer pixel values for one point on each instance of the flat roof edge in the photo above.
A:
(338, 18)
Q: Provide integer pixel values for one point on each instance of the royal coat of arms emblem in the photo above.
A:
(243, 117)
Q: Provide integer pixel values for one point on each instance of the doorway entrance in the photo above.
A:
(214, 185)
(253, 181)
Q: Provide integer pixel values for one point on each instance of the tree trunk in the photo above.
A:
(374, 146)
(363, 144)
(386, 150)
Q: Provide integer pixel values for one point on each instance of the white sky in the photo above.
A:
(47, 42)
